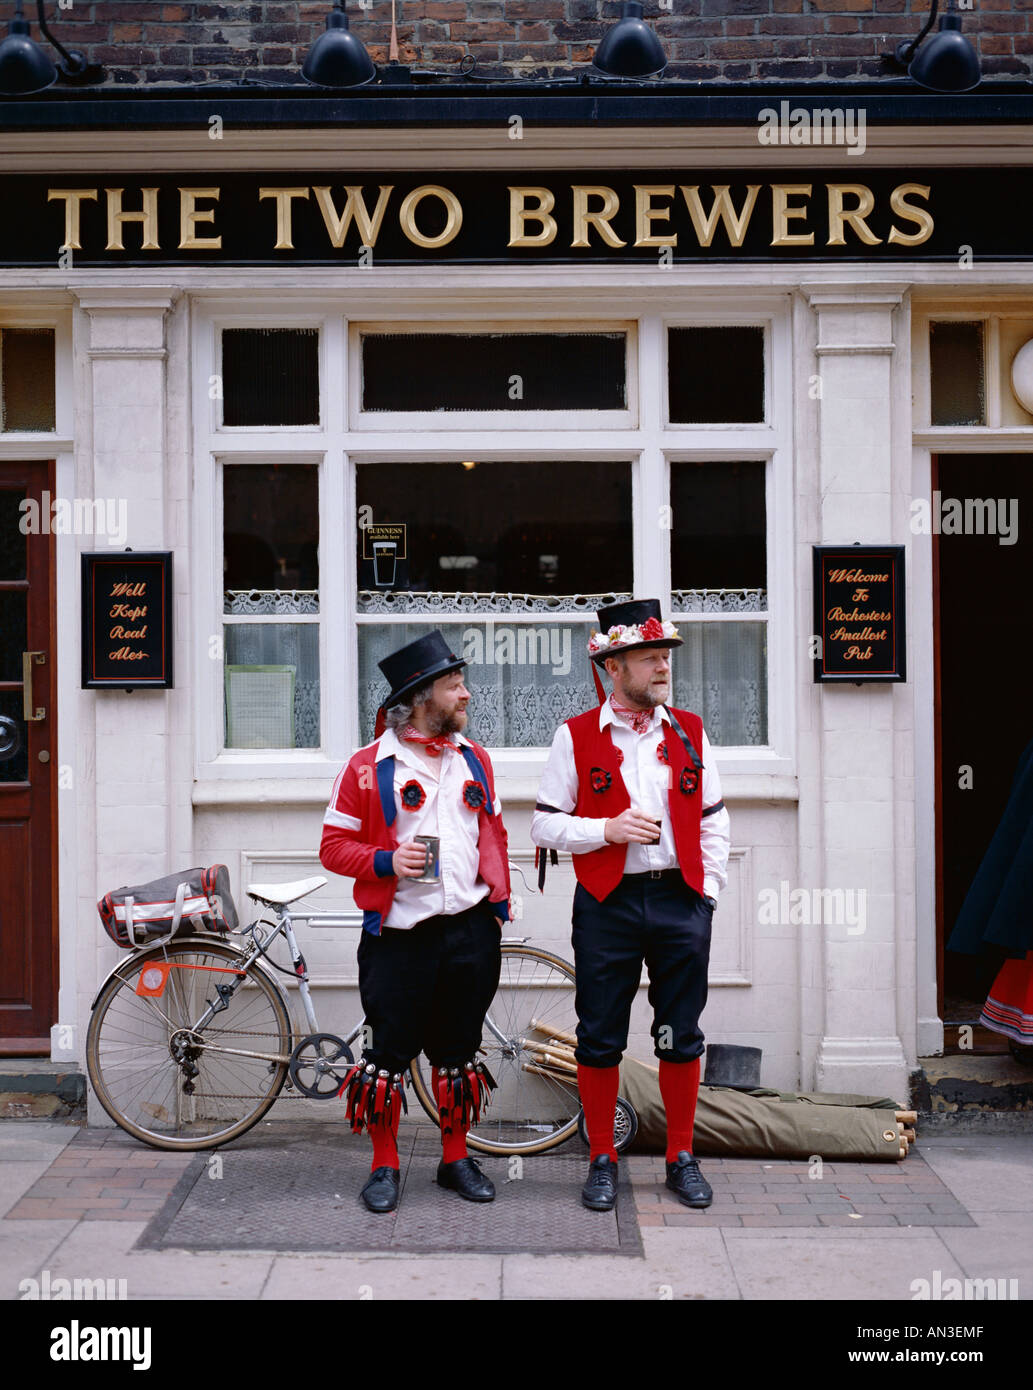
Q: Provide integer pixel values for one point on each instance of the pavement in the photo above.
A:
(276, 1216)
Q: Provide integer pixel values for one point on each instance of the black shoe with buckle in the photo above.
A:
(684, 1177)
(465, 1177)
(381, 1190)
(600, 1191)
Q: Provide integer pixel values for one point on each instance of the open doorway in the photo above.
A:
(984, 713)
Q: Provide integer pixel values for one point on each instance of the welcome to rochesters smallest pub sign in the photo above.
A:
(859, 613)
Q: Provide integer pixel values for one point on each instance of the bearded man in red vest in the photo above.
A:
(631, 791)
(429, 955)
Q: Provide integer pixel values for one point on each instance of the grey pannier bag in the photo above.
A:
(191, 900)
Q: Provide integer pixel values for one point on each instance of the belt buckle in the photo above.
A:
(656, 873)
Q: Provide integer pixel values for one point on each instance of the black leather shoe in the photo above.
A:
(381, 1190)
(600, 1191)
(684, 1177)
(465, 1177)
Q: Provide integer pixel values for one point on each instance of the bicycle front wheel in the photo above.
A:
(166, 1072)
(535, 1106)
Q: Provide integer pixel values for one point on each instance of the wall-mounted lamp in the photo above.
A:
(630, 48)
(25, 68)
(337, 58)
(947, 63)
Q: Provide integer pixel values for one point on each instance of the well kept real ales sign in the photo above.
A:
(340, 217)
(127, 619)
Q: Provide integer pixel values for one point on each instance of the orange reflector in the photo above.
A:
(153, 978)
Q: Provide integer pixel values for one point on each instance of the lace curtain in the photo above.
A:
(526, 679)
(295, 645)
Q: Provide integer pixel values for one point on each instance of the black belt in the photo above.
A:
(657, 873)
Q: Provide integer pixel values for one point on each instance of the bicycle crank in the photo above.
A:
(313, 1065)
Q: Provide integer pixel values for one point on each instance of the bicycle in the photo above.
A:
(173, 1056)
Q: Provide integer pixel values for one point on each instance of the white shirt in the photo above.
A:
(444, 814)
(647, 781)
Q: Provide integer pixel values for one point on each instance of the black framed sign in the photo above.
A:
(859, 613)
(127, 619)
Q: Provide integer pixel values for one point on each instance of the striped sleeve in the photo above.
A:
(341, 849)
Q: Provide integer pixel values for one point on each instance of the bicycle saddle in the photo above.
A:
(278, 894)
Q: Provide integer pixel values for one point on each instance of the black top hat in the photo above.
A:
(633, 615)
(736, 1068)
(417, 663)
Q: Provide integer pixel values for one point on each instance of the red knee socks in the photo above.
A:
(598, 1088)
(679, 1086)
(384, 1133)
(453, 1145)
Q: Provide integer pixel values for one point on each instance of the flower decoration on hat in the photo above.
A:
(623, 635)
(473, 795)
(689, 780)
(600, 779)
(413, 796)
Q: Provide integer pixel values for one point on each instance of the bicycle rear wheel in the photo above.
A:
(531, 1110)
(169, 1083)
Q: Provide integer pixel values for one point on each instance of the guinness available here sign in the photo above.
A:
(859, 613)
(127, 619)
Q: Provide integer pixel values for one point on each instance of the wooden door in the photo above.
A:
(28, 761)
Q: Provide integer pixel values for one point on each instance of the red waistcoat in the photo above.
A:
(602, 792)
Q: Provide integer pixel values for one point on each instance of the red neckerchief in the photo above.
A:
(434, 745)
(639, 720)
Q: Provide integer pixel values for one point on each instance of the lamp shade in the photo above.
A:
(337, 58)
(947, 62)
(630, 48)
(24, 67)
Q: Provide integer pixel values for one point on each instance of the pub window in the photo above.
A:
(715, 375)
(270, 376)
(956, 373)
(719, 569)
(493, 371)
(27, 379)
(510, 560)
(271, 605)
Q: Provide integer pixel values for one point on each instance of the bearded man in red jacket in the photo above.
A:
(429, 955)
(631, 790)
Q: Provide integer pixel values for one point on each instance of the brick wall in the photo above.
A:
(149, 42)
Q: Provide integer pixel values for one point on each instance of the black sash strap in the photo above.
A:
(694, 757)
(541, 857)
(709, 810)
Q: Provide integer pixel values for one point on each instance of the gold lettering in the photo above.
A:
(721, 209)
(600, 220)
(355, 207)
(453, 219)
(900, 205)
(646, 214)
(148, 216)
(519, 214)
(782, 214)
(73, 198)
(284, 209)
(855, 216)
(190, 215)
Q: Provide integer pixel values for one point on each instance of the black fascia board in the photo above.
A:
(464, 103)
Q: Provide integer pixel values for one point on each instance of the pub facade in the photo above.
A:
(311, 376)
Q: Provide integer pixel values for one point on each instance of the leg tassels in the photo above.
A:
(372, 1096)
(463, 1092)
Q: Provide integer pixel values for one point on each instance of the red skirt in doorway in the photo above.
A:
(1009, 1005)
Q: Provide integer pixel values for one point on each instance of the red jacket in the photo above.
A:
(364, 791)
(602, 792)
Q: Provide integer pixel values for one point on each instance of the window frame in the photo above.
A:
(649, 445)
(380, 421)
